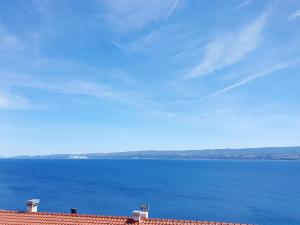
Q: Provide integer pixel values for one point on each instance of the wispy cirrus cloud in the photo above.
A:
(8, 41)
(130, 15)
(243, 4)
(173, 8)
(230, 48)
(103, 92)
(75, 88)
(267, 71)
(90, 89)
(12, 101)
(295, 15)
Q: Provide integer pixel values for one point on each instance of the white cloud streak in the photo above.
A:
(229, 49)
(295, 15)
(129, 15)
(8, 41)
(71, 87)
(172, 9)
(95, 90)
(10, 101)
(253, 77)
(243, 4)
(90, 89)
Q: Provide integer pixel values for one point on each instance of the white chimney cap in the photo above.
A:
(137, 215)
(33, 202)
(32, 205)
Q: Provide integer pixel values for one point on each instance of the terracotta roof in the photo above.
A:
(42, 218)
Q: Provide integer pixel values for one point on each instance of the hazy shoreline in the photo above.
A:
(269, 153)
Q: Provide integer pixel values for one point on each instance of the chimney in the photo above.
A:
(138, 215)
(32, 205)
(73, 211)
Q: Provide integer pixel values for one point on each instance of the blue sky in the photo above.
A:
(120, 75)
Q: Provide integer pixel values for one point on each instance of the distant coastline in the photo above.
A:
(268, 153)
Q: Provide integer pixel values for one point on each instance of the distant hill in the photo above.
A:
(269, 153)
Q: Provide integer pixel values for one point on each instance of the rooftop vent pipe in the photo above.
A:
(32, 205)
(73, 211)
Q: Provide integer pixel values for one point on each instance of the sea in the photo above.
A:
(256, 192)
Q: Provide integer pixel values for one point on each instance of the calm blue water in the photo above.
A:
(260, 192)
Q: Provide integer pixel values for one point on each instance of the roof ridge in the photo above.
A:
(121, 219)
(65, 214)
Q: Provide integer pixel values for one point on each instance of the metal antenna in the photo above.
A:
(145, 207)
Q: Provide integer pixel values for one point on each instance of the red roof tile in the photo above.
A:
(42, 218)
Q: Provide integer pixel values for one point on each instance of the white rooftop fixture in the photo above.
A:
(32, 205)
(137, 215)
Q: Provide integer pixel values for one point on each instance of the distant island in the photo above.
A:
(268, 153)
